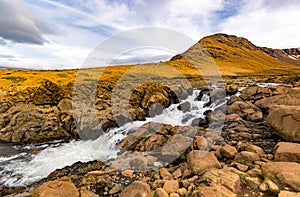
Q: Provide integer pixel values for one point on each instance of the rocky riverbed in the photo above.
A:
(246, 145)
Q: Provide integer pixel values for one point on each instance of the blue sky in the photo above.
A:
(45, 34)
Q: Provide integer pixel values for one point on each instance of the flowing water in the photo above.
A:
(23, 165)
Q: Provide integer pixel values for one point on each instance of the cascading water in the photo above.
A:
(26, 166)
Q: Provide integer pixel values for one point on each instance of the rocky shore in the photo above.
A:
(248, 147)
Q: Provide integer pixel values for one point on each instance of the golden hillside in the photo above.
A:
(233, 56)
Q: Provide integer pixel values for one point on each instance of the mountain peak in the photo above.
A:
(229, 40)
(234, 54)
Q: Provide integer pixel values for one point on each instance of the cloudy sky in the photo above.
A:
(45, 34)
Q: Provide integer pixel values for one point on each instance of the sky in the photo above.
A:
(58, 34)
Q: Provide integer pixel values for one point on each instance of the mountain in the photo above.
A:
(238, 56)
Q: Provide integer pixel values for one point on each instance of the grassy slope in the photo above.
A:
(233, 57)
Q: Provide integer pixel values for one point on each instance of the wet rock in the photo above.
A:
(255, 93)
(151, 93)
(148, 137)
(217, 94)
(285, 122)
(137, 188)
(231, 89)
(286, 151)
(200, 161)
(287, 173)
(138, 163)
(60, 187)
(184, 107)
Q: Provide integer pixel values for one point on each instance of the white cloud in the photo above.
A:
(70, 29)
(267, 24)
(20, 24)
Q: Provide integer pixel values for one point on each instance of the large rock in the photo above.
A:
(255, 93)
(286, 151)
(284, 96)
(287, 173)
(231, 89)
(61, 187)
(223, 178)
(246, 110)
(137, 188)
(152, 98)
(285, 122)
(200, 161)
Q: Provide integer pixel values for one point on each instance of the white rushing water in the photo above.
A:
(27, 167)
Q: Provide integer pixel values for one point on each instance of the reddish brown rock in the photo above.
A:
(200, 161)
(228, 151)
(137, 188)
(286, 151)
(287, 173)
(60, 187)
(285, 122)
(223, 178)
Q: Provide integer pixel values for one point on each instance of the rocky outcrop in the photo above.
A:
(285, 122)
(48, 93)
(30, 123)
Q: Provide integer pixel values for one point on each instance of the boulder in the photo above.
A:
(286, 151)
(60, 187)
(286, 96)
(165, 174)
(255, 93)
(171, 186)
(231, 89)
(223, 178)
(200, 143)
(246, 157)
(246, 110)
(137, 188)
(285, 122)
(160, 192)
(228, 151)
(287, 173)
(200, 161)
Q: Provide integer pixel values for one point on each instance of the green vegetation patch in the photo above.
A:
(15, 79)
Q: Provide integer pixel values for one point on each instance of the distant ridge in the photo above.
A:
(237, 55)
